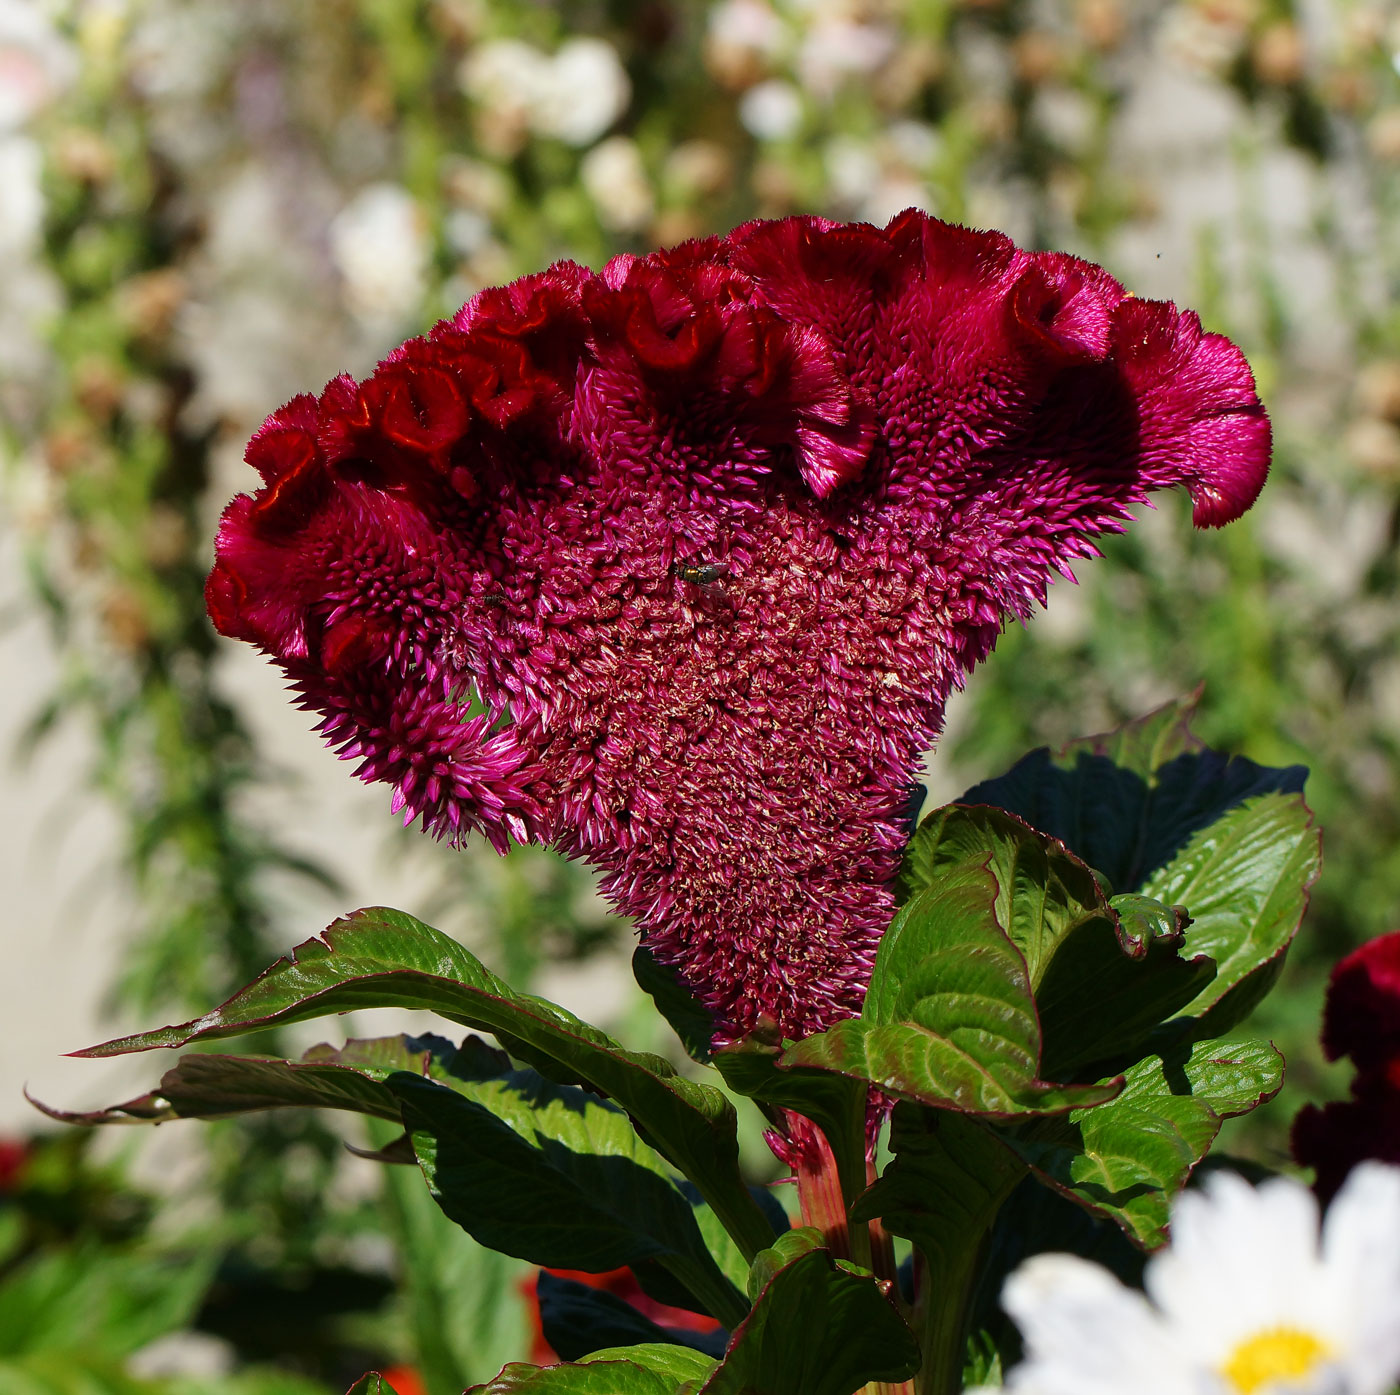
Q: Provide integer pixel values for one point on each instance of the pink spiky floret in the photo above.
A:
(474, 564)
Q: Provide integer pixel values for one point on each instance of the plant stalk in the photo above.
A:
(821, 1198)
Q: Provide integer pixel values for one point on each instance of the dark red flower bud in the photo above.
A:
(1362, 1016)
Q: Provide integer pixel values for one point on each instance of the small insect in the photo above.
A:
(706, 575)
(708, 580)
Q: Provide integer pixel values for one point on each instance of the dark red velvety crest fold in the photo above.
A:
(1200, 421)
(1362, 1016)
(1333, 1138)
(673, 566)
(1361, 1020)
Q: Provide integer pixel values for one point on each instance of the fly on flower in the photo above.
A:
(707, 577)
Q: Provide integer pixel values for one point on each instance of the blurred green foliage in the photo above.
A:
(210, 205)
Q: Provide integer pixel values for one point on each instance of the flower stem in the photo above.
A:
(820, 1195)
(943, 1311)
(972, 1175)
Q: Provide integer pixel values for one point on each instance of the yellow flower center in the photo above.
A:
(1275, 1354)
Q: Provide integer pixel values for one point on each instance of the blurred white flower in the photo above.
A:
(914, 144)
(1245, 1301)
(616, 181)
(1067, 117)
(380, 247)
(1206, 42)
(503, 74)
(21, 197)
(29, 294)
(187, 1354)
(772, 110)
(474, 184)
(852, 170)
(836, 48)
(245, 227)
(35, 63)
(573, 96)
(585, 90)
(747, 24)
(466, 230)
(183, 50)
(894, 195)
(699, 167)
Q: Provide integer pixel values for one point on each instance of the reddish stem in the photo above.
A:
(818, 1183)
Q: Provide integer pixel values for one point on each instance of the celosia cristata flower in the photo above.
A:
(673, 566)
(1361, 1021)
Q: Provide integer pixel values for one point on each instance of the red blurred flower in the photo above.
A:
(621, 1283)
(1362, 1016)
(673, 566)
(1361, 1021)
(405, 1380)
(14, 1154)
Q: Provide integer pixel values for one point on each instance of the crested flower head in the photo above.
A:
(1362, 1017)
(1245, 1302)
(1361, 1021)
(674, 565)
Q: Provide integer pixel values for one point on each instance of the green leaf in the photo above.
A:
(662, 1286)
(553, 1175)
(611, 1377)
(460, 1301)
(949, 1020)
(1128, 801)
(206, 1086)
(943, 1190)
(816, 1329)
(101, 1302)
(1043, 891)
(1245, 880)
(385, 958)
(692, 1024)
(255, 1380)
(1127, 1159)
(670, 1362)
(944, 1186)
(791, 1245)
(371, 1384)
(1157, 813)
(67, 1373)
(1104, 973)
(578, 1321)
(835, 1103)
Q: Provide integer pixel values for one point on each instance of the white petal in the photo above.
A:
(1242, 1258)
(1361, 1252)
(1086, 1334)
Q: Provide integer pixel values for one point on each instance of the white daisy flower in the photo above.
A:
(1244, 1302)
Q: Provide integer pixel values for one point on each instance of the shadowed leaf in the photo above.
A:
(817, 1328)
(1127, 1159)
(553, 1175)
(578, 1321)
(385, 958)
(1127, 801)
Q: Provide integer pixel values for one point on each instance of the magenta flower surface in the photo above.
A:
(674, 565)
